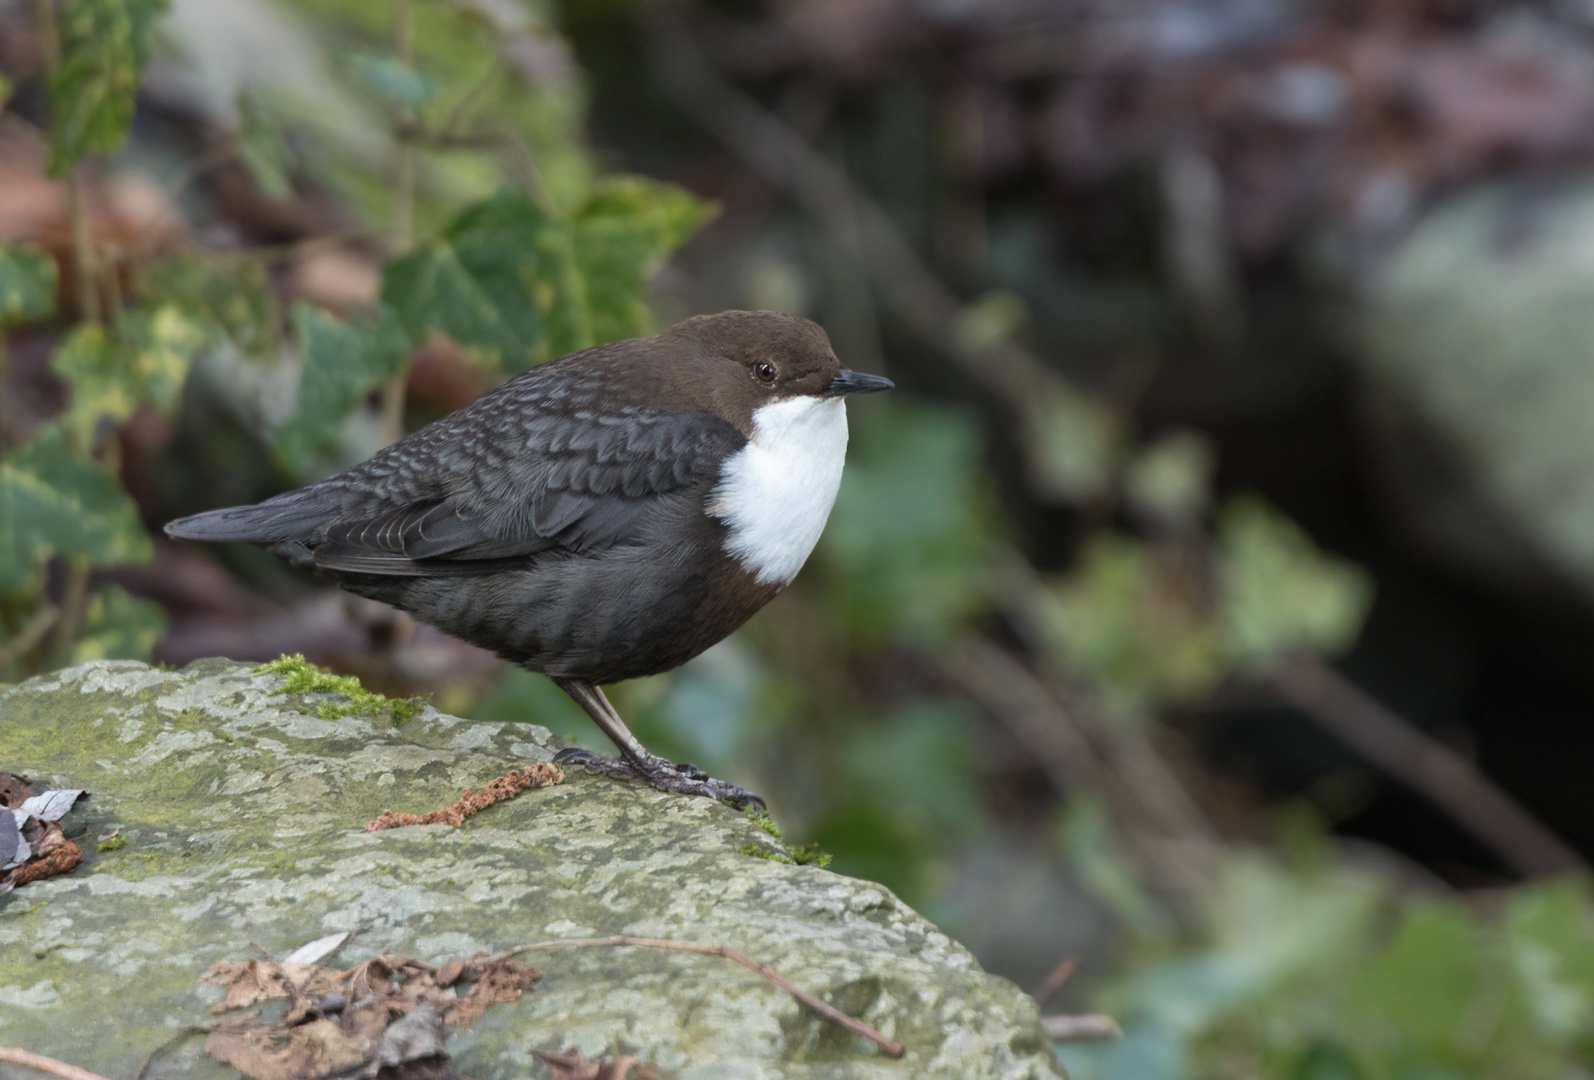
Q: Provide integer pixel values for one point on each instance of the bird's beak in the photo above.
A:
(856, 382)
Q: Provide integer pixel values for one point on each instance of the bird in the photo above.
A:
(605, 516)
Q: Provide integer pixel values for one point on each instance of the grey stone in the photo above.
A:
(243, 824)
(1474, 337)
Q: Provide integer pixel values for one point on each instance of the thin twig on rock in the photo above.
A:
(40, 1063)
(1425, 765)
(830, 1012)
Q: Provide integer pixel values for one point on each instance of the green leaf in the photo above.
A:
(484, 282)
(519, 284)
(232, 295)
(1136, 623)
(144, 362)
(392, 80)
(104, 46)
(1280, 593)
(262, 148)
(5, 90)
(55, 503)
(343, 361)
(117, 626)
(621, 236)
(909, 536)
(27, 284)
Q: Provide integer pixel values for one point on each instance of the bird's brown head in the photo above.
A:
(740, 361)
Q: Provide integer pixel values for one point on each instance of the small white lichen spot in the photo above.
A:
(776, 492)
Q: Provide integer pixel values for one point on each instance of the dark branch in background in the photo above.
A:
(1168, 838)
(1426, 766)
(855, 221)
(33, 631)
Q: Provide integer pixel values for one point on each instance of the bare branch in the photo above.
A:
(830, 1012)
(854, 221)
(1426, 766)
(33, 631)
(1167, 835)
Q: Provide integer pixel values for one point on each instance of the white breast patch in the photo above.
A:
(775, 493)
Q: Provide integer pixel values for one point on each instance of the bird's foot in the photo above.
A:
(660, 774)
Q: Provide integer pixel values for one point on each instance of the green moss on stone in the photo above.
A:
(299, 676)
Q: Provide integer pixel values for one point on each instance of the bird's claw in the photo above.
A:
(684, 779)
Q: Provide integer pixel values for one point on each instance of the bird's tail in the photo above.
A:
(291, 516)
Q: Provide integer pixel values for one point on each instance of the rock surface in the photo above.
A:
(243, 824)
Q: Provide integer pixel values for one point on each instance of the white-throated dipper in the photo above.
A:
(607, 515)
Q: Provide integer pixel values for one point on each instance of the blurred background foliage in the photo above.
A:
(1209, 612)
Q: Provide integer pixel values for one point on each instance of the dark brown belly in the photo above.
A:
(619, 614)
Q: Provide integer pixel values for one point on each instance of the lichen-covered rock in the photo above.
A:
(242, 818)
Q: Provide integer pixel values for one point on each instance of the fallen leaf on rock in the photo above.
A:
(14, 790)
(473, 802)
(496, 982)
(33, 845)
(14, 851)
(573, 1065)
(412, 1038)
(382, 1019)
(319, 949)
(52, 805)
(249, 981)
(64, 857)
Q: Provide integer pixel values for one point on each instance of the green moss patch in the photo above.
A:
(802, 855)
(302, 677)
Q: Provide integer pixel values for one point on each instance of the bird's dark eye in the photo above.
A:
(765, 372)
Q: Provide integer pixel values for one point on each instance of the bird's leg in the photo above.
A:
(635, 762)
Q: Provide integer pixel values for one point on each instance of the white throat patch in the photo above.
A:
(775, 493)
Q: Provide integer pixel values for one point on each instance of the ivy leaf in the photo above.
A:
(343, 362)
(55, 503)
(144, 362)
(481, 281)
(1280, 593)
(232, 295)
(1137, 624)
(392, 80)
(117, 626)
(262, 148)
(620, 237)
(27, 284)
(104, 46)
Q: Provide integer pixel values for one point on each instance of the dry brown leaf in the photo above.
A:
(382, 1017)
(64, 855)
(573, 1065)
(249, 981)
(473, 802)
(496, 983)
(14, 790)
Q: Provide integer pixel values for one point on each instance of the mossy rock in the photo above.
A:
(242, 819)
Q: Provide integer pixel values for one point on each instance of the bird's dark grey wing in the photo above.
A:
(504, 481)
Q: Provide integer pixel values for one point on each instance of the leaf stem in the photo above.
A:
(74, 601)
(403, 225)
(82, 241)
